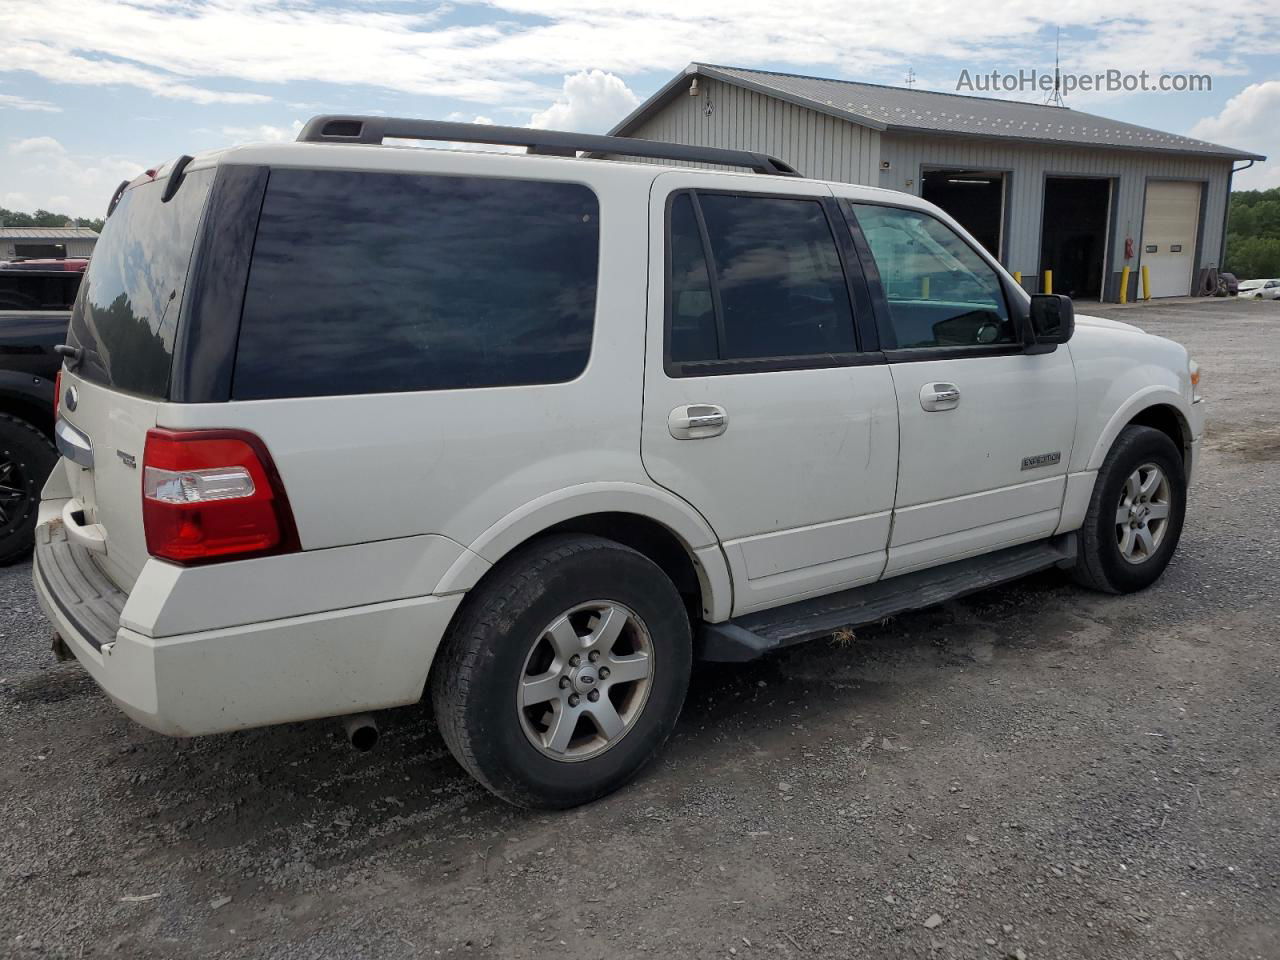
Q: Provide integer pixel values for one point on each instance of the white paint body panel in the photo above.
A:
(960, 470)
(824, 479)
(803, 477)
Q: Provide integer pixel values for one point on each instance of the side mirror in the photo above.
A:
(1053, 318)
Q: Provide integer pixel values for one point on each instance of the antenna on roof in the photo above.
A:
(910, 78)
(1054, 99)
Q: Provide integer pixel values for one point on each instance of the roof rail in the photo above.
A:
(559, 143)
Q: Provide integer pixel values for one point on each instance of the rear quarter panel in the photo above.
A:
(456, 462)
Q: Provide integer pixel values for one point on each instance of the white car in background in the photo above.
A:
(1260, 289)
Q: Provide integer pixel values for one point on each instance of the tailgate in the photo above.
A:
(109, 490)
(122, 337)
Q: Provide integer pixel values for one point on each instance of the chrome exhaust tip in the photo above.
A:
(362, 731)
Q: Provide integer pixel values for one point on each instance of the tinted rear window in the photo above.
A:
(374, 282)
(30, 290)
(131, 297)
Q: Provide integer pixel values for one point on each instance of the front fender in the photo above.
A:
(1144, 399)
(653, 503)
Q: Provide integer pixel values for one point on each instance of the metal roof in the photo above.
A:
(47, 233)
(897, 109)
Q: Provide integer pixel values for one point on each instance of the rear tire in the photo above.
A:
(1135, 514)
(564, 671)
(26, 460)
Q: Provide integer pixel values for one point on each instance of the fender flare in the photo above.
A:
(652, 503)
(1153, 396)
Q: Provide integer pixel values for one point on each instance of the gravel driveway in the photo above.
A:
(1034, 771)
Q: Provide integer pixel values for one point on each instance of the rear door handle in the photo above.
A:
(696, 421)
(935, 397)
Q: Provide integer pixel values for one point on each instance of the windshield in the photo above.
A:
(128, 308)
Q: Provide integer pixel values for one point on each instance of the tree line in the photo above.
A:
(1253, 234)
(43, 218)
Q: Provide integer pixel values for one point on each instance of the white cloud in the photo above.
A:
(207, 51)
(49, 175)
(13, 102)
(37, 145)
(1249, 121)
(592, 102)
(263, 133)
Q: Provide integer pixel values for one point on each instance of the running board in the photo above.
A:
(746, 638)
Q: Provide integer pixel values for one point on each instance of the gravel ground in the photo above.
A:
(1035, 772)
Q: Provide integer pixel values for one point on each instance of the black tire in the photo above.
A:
(26, 459)
(1100, 563)
(482, 661)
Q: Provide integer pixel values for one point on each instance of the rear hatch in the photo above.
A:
(124, 325)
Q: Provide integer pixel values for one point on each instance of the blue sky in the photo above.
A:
(94, 91)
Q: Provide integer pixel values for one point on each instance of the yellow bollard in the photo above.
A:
(1124, 285)
(924, 288)
(1017, 277)
(1048, 281)
(1146, 283)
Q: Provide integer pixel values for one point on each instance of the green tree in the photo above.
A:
(1253, 234)
(43, 218)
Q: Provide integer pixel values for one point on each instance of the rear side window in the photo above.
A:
(127, 312)
(379, 282)
(777, 287)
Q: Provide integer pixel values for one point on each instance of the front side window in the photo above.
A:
(768, 284)
(941, 293)
(383, 282)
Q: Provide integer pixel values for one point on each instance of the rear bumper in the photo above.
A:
(297, 668)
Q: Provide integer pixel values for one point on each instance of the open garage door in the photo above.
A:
(1170, 225)
(1073, 234)
(974, 197)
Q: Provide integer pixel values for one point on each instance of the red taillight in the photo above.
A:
(212, 494)
(57, 393)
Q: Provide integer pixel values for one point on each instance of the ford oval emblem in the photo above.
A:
(71, 399)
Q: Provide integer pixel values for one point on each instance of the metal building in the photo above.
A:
(32, 242)
(1044, 188)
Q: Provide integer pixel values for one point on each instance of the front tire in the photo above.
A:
(564, 672)
(1135, 514)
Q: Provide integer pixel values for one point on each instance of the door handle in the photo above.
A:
(695, 421)
(935, 397)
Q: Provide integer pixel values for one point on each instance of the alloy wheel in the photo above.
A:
(585, 681)
(1142, 516)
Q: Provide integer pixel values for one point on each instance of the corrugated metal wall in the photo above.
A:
(817, 145)
(75, 248)
(828, 148)
(1029, 165)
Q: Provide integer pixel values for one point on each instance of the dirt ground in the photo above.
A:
(1036, 771)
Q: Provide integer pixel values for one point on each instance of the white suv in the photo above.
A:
(343, 423)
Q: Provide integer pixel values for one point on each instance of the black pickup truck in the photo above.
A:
(35, 307)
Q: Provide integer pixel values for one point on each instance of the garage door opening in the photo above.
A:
(1073, 238)
(1169, 229)
(974, 197)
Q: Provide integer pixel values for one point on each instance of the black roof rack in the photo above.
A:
(559, 143)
